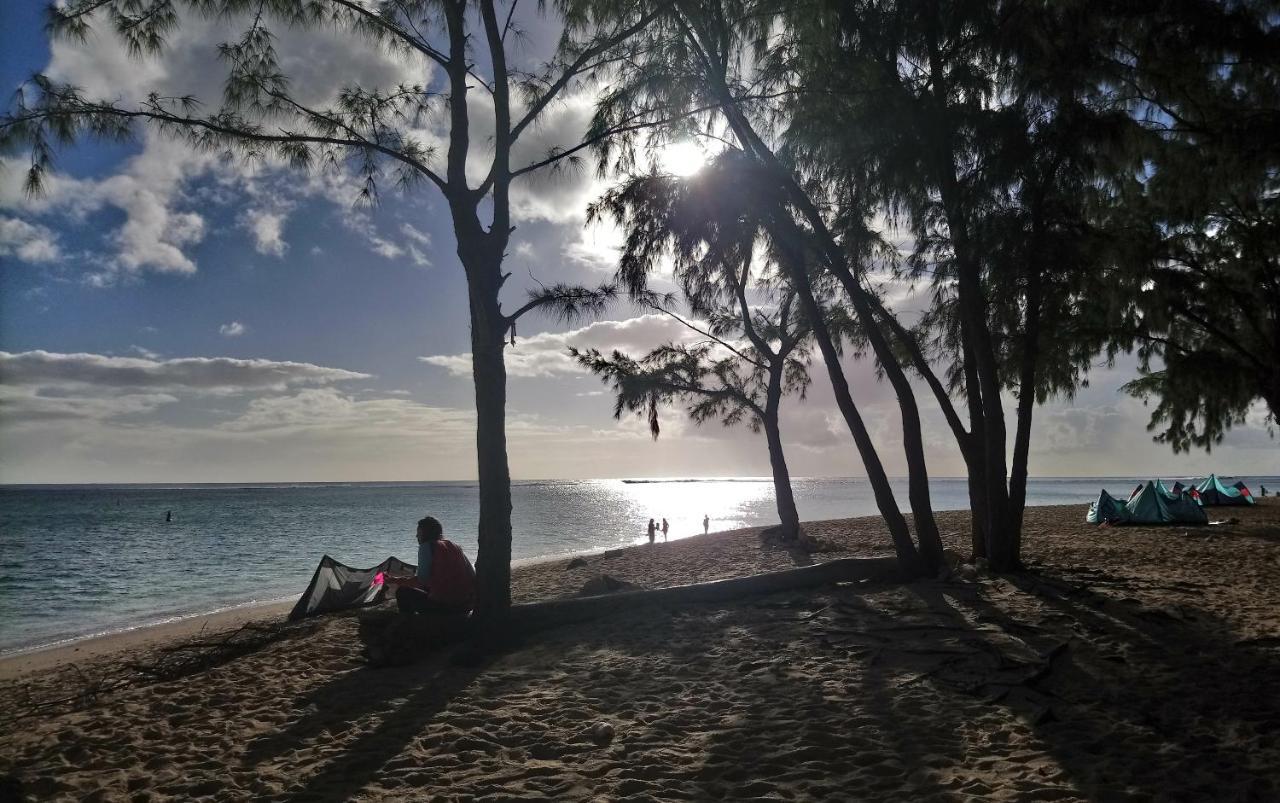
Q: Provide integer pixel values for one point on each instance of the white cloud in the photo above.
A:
(233, 329)
(28, 242)
(155, 231)
(416, 235)
(546, 354)
(267, 229)
(44, 370)
(385, 248)
(161, 222)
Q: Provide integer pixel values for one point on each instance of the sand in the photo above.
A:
(1129, 664)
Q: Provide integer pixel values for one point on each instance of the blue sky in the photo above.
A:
(167, 316)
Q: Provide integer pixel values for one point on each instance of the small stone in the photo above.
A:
(576, 563)
(601, 733)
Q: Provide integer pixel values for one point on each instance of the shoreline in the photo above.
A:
(181, 625)
(973, 686)
(94, 646)
(41, 658)
(91, 647)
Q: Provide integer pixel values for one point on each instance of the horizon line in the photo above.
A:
(676, 478)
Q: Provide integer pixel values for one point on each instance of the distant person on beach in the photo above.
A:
(652, 529)
(706, 524)
(445, 581)
(1263, 488)
(665, 527)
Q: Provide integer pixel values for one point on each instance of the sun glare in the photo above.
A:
(682, 158)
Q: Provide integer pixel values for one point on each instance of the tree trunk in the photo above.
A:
(980, 355)
(912, 433)
(905, 548)
(488, 365)
(785, 499)
(977, 499)
(1026, 394)
(795, 265)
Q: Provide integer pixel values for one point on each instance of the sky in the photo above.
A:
(170, 316)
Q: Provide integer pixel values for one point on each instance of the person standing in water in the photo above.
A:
(652, 529)
(168, 516)
(665, 527)
(706, 524)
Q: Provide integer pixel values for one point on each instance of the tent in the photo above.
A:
(1147, 505)
(1107, 510)
(1150, 506)
(336, 586)
(1213, 492)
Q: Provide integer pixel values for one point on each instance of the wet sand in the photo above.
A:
(1128, 664)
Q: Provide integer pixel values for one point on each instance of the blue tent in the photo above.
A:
(1107, 510)
(1212, 492)
(1148, 505)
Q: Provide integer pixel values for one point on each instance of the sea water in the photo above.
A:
(81, 560)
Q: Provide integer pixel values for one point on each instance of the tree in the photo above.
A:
(375, 132)
(986, 128)
(741, 191)
(720, 381)
(1204, 79)
(714, 249)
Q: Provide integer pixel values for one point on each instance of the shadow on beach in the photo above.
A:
(1146, 673)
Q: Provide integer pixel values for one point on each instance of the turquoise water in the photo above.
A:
(79, 560)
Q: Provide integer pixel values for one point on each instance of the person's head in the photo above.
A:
(429, 529)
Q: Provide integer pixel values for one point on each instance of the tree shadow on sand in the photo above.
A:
(368, 715)
(1034, 685)
(1040, 686)
(1129, 698)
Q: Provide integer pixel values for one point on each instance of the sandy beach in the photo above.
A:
(1128, 664)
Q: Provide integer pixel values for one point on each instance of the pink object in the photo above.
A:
(379, 579)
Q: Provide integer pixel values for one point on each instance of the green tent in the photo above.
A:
(1213, 492)
(1107, 510)
(1148, 505)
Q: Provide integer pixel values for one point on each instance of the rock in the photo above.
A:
(601, 733)
(576, 563)
(605, 584)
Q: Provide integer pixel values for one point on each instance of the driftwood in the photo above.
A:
(554, 613)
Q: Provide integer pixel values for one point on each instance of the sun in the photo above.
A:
(681, 158)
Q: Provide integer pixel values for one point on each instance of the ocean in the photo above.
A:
(84, 560)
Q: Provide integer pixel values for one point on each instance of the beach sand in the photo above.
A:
(1129, 664)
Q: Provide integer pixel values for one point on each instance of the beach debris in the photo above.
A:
(600, 733)
(576, 563)
(605, 584)
(196, 655)
(170, 662)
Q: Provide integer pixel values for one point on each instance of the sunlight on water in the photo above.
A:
(730, 504)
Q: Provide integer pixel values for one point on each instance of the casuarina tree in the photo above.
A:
(754, 347)
(471, 98)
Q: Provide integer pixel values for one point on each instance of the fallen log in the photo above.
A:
(554, 613)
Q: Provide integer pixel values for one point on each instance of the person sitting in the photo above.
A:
(445, 581)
